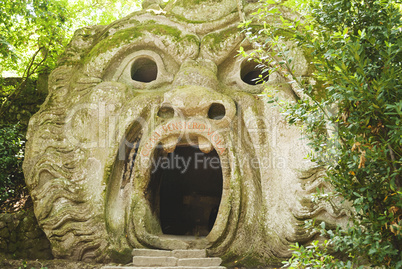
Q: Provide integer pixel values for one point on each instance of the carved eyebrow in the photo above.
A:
(217, 46)
(171, 40)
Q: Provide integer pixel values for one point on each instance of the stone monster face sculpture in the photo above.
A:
(154, 135)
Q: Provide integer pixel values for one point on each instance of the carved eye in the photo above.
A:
(251, 71)
(144, 70)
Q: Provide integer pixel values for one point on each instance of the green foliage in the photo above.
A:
(25, 105)
(322, 254)
(26, 25)
(352, 114)
(34, 33)
(313, 256)
(11, 157)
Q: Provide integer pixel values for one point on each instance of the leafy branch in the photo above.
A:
(29, 71)
(356, 54)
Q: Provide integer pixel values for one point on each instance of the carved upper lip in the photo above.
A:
(195, 132)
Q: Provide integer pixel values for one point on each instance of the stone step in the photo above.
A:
(180, 253)
(171, 259)
(200, 262)
(189, 253)
(151, 252)
(154, 261)
(171, 267)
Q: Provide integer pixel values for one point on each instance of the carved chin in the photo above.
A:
(177, 186)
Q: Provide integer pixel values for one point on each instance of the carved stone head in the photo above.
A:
(155, 134)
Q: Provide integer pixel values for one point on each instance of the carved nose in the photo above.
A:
(196, 101)
(194, 94)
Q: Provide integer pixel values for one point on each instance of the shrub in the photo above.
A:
(11, 156)
(355, 47)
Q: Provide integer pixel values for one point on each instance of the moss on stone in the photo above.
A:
(123, 256)
(216, 39)
(192, 3)
(129, 35)
(251, 259)
(115, 40)
(181, 18)
(4, 233)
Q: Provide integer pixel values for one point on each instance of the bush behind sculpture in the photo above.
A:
(355, 47)
(11, 157)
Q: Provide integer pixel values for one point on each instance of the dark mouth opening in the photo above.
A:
(185, 190)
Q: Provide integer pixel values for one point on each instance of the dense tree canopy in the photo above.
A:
(38, 30)
(352, 115)
(33, 33)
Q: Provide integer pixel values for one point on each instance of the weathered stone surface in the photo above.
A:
(4, 233)
(154, 261)
(189, 253)
(24, 240)
(192, 258)
(163, 87)
(199, 262)
(3, 245)
(175, 267)
(152, 252)
(12, 247)
(178, 253)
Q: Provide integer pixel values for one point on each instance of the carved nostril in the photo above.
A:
(216, 111)
(166, 112)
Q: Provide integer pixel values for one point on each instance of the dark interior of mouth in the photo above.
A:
(185, 190)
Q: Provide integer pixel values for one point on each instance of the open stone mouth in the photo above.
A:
(183, 176)
(185, 190)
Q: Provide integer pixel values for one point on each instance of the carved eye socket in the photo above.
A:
(144, 70)
(251, 71)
